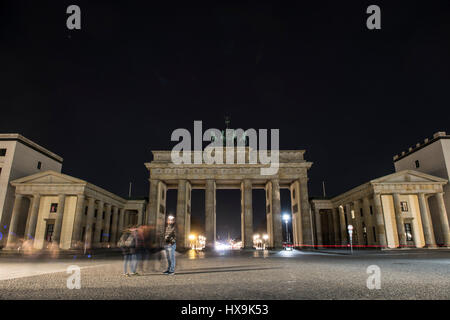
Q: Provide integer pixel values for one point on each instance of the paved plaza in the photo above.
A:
(406, 274)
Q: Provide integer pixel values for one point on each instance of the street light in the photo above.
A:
(286, 219)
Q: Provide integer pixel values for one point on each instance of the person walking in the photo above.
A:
(170, 245)
(127, 243)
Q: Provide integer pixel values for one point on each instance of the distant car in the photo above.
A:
(288, 246)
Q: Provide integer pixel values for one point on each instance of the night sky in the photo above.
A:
(104, 96)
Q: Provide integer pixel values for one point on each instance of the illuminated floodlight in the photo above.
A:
(286, 217)
(192, 237)
(266, 237)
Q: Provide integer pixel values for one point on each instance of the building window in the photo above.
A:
(361, 212)
(374, 234)
(103, 216)
(0, 171)
(39, 165)
(371, 210)
(417, 164)
(2, 152)
(85, 211)
(408, 231)
(49, 232)
(95, 213)
(53, 207)
(404, 206)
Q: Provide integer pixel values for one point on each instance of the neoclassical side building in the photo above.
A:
(389, 212)
(51, 207)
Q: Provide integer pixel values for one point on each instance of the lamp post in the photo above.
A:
(286, 218)
(350, 233)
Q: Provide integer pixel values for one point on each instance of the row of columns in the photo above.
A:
(91, 238)
(157, 212)
(341, 235)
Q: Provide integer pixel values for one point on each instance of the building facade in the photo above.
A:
(389, 212)
(432, 156)
(54, 209)
(19, 157)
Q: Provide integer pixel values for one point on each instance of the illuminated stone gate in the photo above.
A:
(292, 175)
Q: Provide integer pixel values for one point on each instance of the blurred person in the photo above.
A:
(127, 243)
(170, 245)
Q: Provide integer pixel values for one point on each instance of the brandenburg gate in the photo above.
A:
(292, 174)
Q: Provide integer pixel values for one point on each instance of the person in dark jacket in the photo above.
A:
(170, 245)
(127, 243)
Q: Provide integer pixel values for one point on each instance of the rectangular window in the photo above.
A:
(39, 165)
(103, 216)
(404, 206)
(53, 207)
(0, 171)
(49, 232)
(408, 231)
(2, 152)
(371, 210)
(417, 164)
(95, 213)
(85, 211)
(374, 234)
(361, 212)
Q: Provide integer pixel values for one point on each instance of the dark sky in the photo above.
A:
(104, 96)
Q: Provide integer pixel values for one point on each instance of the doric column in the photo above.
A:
(121, 220)
(368, 219)
(115, 221)
(359, 228)
(268, 192)
(399, 221)
(330, 237)
(246, 214)
(89, 222)
(297, 229)
(344, 236)
(181, 215)
(99, 223)
(427, 223)
(12, 237)
(77, 227)
(106, 232)
(336, 226)
(305, 212)
(276, 215)
(444, 219)
(318, 227)
(210, 213)
(379, 218)
(140, 217)
(59, 218)
(30, 229)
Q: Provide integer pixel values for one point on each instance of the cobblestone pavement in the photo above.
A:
(236, 275)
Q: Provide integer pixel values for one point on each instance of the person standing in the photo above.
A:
(127, 243)
(170, 245)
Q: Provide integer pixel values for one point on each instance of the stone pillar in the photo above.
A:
(98, 223)
(12, 237)
(305, 212)
(89, 222)
(359, 228)
(79, 211)
(246, 214)
(427, 223)
(210, 214)
(276, 215)
(268, 192)
(157, 211)
(106, 236)
(368, 220)
(344, 235)
(399, 221)
(121, 220)
(297, 233)
(443, 218)
(330, 227)
(336, 226)
(115, 221)
(318, 227)
(182, 237)
(59, 218)
(379, 218)
(140, 216)
(30, 229)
